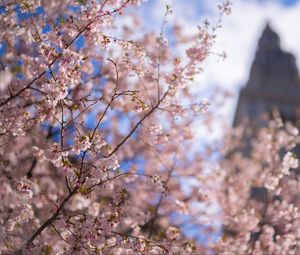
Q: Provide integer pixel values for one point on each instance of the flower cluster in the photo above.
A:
(96, 132)
(261, 211)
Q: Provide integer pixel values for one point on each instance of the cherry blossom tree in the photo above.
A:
(96, 129)
(259, 190)
(97, 141)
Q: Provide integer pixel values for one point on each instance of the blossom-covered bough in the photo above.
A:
(97, 141)
(93, 129)
(259, 191)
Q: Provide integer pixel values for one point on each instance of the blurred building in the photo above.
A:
(273, 84)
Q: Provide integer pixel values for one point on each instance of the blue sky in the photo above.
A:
(287, 2)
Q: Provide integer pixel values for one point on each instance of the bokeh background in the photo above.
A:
(238, 38)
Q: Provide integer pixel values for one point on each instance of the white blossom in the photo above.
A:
(5, 79)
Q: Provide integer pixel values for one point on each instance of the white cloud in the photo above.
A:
(239, 37)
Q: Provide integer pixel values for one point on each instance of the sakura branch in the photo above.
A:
(96, 130)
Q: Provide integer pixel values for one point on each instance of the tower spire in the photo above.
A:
(273, 82)
(269, 40)
(272, 67)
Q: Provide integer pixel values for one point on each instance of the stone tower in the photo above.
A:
(273, 84)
